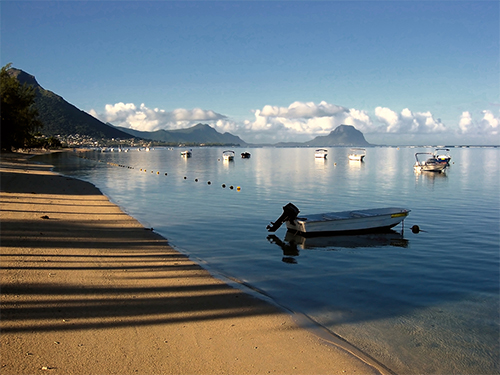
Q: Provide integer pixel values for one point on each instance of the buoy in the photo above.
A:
(195, 180)
(231, 187)
(415, 229)
(223, 185)
(238, 188)
(209, 182)
(165, 173)
(157, 172)
(185, 177)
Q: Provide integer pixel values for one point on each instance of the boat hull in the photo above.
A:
(228, 155)
(321, 153)
(356, 157)
(348, 221)
(430, 164)
(431, 167)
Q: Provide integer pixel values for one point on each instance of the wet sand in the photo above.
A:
(85, 289)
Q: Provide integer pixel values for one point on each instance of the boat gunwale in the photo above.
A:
(352, 215)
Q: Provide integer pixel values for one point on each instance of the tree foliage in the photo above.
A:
(18, 113)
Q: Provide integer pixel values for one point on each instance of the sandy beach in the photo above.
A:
(85, 289)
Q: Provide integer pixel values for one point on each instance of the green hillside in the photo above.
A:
(62, 118)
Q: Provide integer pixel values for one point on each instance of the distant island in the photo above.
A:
(198, 134)
(342, 135)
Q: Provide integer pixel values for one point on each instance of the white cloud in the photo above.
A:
(299, 110)
(360, 120)
(142, 118)
(488, 125)
(465, 123)
(408, 122)
(302, 121)
(491, 123)
(390, 118)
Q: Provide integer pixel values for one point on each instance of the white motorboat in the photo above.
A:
(321, 153)
(228, 155)
(357, 154)
(186, 154)
(442, 155)
(367, 220)
(426, 161)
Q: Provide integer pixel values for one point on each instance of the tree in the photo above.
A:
(18, 113)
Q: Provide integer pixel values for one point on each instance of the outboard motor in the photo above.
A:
(290, 212)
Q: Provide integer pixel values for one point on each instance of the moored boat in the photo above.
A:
(357, 154)
(321, 153)
(228, 155)
(245, 155)
(366, 220)
(442, 155)
(426, 161)
(186, 154)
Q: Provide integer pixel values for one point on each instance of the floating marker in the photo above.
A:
(223, 185)
(195, 180)
(165, 173)
(231, 187)
(209, 182)
(238, 188)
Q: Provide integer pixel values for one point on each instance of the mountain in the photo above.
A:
(342, 135)
(200, 133)
(62, 118)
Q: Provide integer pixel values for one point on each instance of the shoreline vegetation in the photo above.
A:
(86, 289)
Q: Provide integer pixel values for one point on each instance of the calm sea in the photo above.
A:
(424, 302)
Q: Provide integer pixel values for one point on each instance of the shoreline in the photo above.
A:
(86, 289)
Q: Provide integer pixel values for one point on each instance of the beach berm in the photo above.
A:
(86, 289)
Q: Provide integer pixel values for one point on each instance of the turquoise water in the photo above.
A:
(423, 302)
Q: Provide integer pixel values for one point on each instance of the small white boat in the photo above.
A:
(442, 155)
(357, 154)
(368, 220)
(321, 153)
(228, 155)
(426, 161)
(186, 154)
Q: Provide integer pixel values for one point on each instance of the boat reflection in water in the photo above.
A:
(293, 243)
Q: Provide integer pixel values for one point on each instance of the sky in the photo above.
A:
(401, 72)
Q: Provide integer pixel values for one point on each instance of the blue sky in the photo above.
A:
(402, 72)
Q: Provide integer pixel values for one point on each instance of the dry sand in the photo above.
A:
(87, 290)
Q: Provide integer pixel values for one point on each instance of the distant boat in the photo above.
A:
(357, 154)
(228, 155)
(427, 162)
(245, 155)
(367, 220)
(186, 154)
(442, 155)
(321, 153)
